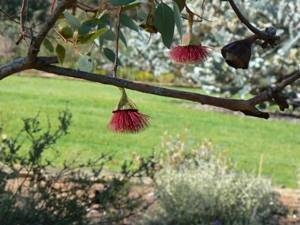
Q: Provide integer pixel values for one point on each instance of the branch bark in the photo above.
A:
(260, 34)
(36, 42)
(245, 106)
(23, 63)
(248, 107)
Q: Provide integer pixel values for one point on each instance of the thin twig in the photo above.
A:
(10, 17)
(261, 34)
(87, 8)
(267, 95)
(23, 16)
(202, 8)
(119, 11)
(53, 3)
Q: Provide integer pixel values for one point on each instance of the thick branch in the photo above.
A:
(261, 34)
(21, 64)
(244, 106)
(15, 66)
(37, 41)
(268, 95)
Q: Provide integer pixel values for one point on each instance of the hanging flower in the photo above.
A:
(191, 51)
(126, 118)
(189, 54)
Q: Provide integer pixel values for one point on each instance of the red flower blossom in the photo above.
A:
(189, 54)
(128, 120)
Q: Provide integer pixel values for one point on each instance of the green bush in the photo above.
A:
(34, 191)
(203, 189)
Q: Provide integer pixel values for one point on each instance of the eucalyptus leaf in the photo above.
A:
(72, 20)
(128, 22)
(61, 53)
(87, 26)
(177, 18)
(85, 63)
(48, 45)
(123, 38)
(110, 55)
(91, 36)
(180, 4)
(109, 35)
(121, 2)
(164, 22)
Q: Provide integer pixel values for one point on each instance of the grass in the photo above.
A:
(244, 139)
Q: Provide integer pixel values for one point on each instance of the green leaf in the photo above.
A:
(87, 26)
(61, 53)
(72, 20)
(180, 4)
(110, 55)
(123, 39)
(128, 22)
(48, 45)
(177, 18)
(164, 22)
(121, 2)
(132, 6)
(109, 35)
(85, 63)
(91, 36)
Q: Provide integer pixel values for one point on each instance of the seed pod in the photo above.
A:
(238, 53)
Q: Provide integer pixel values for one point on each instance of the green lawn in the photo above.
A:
(244, 139)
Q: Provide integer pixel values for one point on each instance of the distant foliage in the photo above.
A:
(201, 188)
(148, 53)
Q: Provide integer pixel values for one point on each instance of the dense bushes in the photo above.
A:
(201, 188)
(33, 191)
(193, 185)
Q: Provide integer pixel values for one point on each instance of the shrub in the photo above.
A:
(33, 191)
(203, 189)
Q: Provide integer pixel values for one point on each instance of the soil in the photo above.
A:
(291, 199)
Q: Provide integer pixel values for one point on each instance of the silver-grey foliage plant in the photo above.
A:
(204, 190)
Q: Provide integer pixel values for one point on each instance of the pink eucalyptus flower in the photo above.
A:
(128, 121)
(189, 54)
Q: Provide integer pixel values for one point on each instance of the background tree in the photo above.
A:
(86, 29)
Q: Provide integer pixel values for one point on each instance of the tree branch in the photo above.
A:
(271, 93)
(260, 34)
(118, 27)
(23, 63)
(245, 106)
(23, 15)
(248, 107)
(37, 41)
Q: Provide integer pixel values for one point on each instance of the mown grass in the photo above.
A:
(244, 139)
